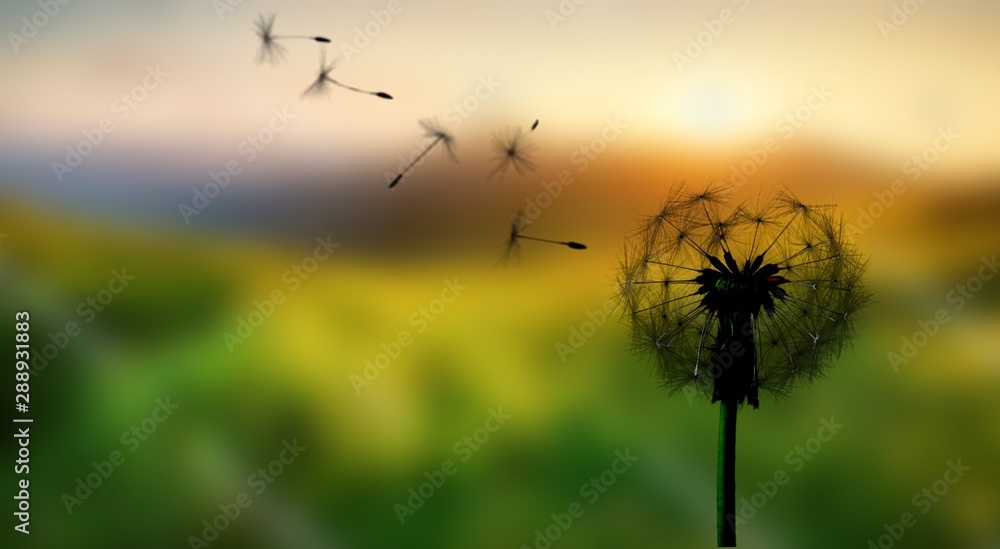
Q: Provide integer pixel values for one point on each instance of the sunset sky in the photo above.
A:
(889, 91)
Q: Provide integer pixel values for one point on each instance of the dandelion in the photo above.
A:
(270, 50)
(434, 130)
(321, 85)
(513, 148)
(512, 248)
(730, 300)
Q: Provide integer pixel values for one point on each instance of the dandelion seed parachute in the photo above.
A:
(512, 148)
(270, 50)
(439, 136)
(512, 248)
(321, 84)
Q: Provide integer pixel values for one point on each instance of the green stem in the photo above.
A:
(726, 486)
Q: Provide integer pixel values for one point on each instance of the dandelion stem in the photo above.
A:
(666, 282)
(321, 39)
(785, 228)
(713, 224)
(791, 265)
(753, 241)
(726, 486)
(383, 95)
(654, 262)
(422, 154)
(696, 296)
(561, 243)
(796, 254)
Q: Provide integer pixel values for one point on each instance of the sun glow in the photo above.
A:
(711, 110)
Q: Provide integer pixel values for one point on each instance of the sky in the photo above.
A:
(717, 77)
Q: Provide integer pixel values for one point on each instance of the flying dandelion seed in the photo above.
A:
(270, 50)
(321, 85)
(434, 130)
(513, 149)
(733, 300)
(512, 248)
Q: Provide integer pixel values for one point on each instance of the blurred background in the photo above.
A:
(119, 117)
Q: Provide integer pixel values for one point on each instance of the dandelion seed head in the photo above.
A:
(702, 269)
